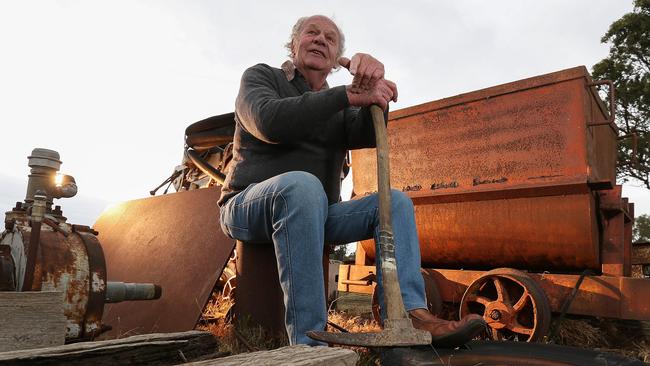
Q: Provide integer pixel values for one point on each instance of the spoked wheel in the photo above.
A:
(514, 306)
(227, 282)
(434, 300)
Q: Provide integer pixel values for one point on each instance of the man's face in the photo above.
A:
(317, 45)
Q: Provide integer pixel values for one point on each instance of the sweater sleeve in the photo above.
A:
(360, 130)
(274, 119)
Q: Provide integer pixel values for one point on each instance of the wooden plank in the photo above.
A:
(31, 320)
(354, 304)
(292, 355)
(359, 273)
(146, 349)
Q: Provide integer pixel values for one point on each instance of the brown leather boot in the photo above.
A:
(445, 333)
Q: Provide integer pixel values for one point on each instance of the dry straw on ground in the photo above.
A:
(622, 337)
(238, 336)
(590, 333)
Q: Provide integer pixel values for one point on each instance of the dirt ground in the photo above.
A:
(237, 336)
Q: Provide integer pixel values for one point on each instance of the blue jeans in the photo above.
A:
(291, 210)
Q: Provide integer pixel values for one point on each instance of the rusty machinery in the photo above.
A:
(40, 251)
(173, 239)
(515, 195)
(517, 208)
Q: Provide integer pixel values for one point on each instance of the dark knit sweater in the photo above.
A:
(284, 126)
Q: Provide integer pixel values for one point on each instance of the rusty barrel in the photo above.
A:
(74, 265)
(258, 295)
(504, 176)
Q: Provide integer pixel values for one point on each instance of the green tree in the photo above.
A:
(340, 252)
(641, 230)
(628, 66)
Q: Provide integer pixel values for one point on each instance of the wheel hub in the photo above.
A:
(498, 315)
(495, 314)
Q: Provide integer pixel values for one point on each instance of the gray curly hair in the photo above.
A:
(295, 32)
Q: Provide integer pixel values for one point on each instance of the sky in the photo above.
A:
(111, 85)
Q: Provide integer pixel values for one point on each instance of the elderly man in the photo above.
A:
(292, 134)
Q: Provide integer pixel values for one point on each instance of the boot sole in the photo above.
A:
(461, 336)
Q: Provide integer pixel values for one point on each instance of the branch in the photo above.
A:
(644, 61)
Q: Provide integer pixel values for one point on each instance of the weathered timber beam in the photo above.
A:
(148, 349)
(31, 320)
(287, 356)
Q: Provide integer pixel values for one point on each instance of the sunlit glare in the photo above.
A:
(113, 209)
(58, 179)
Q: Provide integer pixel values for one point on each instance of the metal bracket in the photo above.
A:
(612, 107)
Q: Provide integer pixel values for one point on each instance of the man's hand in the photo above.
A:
(368, 86)
(382, 92)
(365, 68)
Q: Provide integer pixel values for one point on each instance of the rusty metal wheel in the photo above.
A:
(514, 306)
(434, 300)
(227, 282)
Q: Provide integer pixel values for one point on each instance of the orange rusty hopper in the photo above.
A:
(505, 176)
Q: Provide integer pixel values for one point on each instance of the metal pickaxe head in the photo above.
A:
(396, 333)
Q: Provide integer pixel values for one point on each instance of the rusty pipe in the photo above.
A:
(44, 164)
(38, 212)
(204, 166)
(357, 282)
(67, 188)
(120, 291)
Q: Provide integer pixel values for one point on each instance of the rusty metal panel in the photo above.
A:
(635, 293)
(523, 134)
(607, 296)
(597, 296)
(173, 240)
(627, 238)
(534, 233)
(601, 140)
(453, 283)
(614, 247)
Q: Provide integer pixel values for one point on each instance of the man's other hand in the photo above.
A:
(365, 68)
(382, 92)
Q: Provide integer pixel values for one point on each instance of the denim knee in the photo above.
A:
(303, 188)
(400, 200)
(400, 204)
